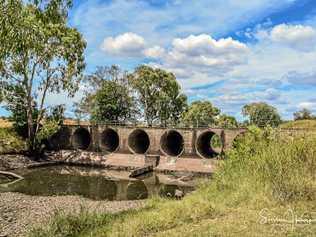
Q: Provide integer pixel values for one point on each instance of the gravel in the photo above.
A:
(19, 212)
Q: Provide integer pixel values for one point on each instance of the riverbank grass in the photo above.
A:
(10, 142)
(266, 182)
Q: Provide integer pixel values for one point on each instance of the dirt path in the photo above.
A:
(19, 212)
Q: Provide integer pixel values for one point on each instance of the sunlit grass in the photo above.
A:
(10, 142)
(267, 174)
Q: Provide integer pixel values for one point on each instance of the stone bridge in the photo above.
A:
(169, 142)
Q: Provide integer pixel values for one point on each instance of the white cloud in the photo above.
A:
(127, 44)
(196, 45)
(154, 52)
(301, 78)
(196, 57)
(296, 36)
(307, 105)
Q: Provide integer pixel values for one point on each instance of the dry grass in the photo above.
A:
(267, 176)
(10, 142)
(5, 123)
(299, 124)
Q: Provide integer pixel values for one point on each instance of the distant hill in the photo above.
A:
(299, 124)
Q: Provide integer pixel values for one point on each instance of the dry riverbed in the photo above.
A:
(19, 212)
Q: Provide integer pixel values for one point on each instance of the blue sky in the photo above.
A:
(230, 52)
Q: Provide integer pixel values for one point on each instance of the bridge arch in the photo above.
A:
(110, 140)
(204, 146)
(81, 139)
(172, 143)
(138, 141)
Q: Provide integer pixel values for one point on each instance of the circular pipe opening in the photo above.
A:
(208, 144)
(81, 139)
(138, 141)
(110, 140)
(172, 143)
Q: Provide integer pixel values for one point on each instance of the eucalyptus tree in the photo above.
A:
(107, 96)
(39, 53)
(159, 95)
(201, 113)
(261, 114)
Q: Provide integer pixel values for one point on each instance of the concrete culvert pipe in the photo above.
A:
(204, 145)
(138, 141)
(110, 140)
(81, 139)
(172, 143)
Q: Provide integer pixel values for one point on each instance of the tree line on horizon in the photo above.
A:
(41, 54)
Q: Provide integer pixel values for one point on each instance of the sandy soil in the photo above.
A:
(19, 212)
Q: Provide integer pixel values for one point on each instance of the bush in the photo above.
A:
(10, 142)
(265, 169)
(273, 161)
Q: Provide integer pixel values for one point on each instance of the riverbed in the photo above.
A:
(45, 190)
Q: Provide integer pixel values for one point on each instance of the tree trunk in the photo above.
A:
(30, 126)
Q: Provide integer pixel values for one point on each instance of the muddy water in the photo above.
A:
(96, 184)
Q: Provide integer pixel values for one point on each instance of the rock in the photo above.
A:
(178, 194)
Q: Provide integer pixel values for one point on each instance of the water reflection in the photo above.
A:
(136, 190)
(97, 184)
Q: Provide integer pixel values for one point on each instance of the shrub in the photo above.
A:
(10, 142)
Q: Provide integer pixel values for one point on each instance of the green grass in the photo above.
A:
(267, 175)
(299, 124)
(10, 142)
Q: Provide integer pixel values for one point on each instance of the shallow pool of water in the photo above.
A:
(96, 184)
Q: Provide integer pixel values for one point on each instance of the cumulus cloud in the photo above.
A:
(295, 36)
(204, 51)
(154, 52)
(198, 56)
(127, 44)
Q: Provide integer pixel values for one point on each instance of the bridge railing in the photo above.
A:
(144, 124)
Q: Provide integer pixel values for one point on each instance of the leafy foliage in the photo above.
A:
(10, 141)
(108, 97)
(200, 113)
(39, 53)
(112, 102)
(266, 170)
(303, 114)
(159, 95)
(226, 121)
(262, 114)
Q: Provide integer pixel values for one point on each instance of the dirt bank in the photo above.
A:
(11, 162)
(19, 213)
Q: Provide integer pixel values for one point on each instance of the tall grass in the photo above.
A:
(10, 142)
(266, 169)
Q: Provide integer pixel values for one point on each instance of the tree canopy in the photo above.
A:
(261, 114)
(112, 102)
(303, 114)
(226, 121)
(39, 54)
(108, 97)
(159, 95)
(200, 113)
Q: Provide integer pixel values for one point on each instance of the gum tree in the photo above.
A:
(261, 114)
(159, 95)
(200, 113)
(39, 54)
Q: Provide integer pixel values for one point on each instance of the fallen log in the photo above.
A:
(140, 171)
(10, 174)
